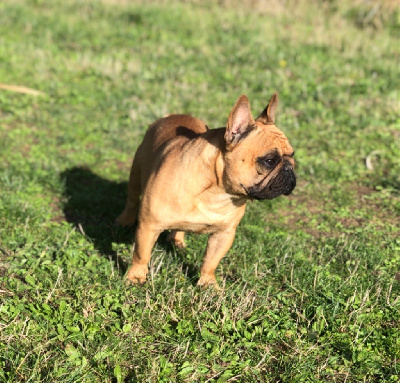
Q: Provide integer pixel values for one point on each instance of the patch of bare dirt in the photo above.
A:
(310, 208)
(57, 211)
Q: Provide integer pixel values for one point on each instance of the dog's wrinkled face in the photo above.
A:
(259, 160)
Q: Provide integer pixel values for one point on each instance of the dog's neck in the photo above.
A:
(212, 151)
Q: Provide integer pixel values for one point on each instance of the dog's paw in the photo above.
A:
(179, 244)
(177, 238)
(135, 281)
(123, 221)
(208, 281)
(126, 218)
(136, 274)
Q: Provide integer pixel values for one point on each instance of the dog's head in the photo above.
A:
(258, 158)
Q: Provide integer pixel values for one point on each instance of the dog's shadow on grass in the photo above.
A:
(92, 203)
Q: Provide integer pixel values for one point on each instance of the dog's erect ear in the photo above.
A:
(240, 122)
(267, 116)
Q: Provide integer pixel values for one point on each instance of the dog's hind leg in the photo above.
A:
(177, 238)
(129, 215)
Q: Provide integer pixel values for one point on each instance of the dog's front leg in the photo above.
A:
(218, 245)
(146, 236)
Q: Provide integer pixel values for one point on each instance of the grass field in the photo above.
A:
(312, 282)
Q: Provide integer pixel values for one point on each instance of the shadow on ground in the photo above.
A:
(93, 203)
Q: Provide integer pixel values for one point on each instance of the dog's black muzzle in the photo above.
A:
(283, 183)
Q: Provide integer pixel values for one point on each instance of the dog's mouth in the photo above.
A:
(284, 183)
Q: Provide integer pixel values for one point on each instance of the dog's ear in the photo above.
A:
(240, 122)
(267, 116)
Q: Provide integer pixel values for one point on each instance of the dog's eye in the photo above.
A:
(268, 161)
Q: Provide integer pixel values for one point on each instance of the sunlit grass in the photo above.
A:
(311, 284)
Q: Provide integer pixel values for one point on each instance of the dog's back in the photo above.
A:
(172, 126)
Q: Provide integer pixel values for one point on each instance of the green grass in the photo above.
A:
(312, 282)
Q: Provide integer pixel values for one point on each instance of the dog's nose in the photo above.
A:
(290, 177)
(287, 166)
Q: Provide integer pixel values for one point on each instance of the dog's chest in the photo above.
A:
(208, 216)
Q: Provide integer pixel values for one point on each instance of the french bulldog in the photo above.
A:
(192, 178)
